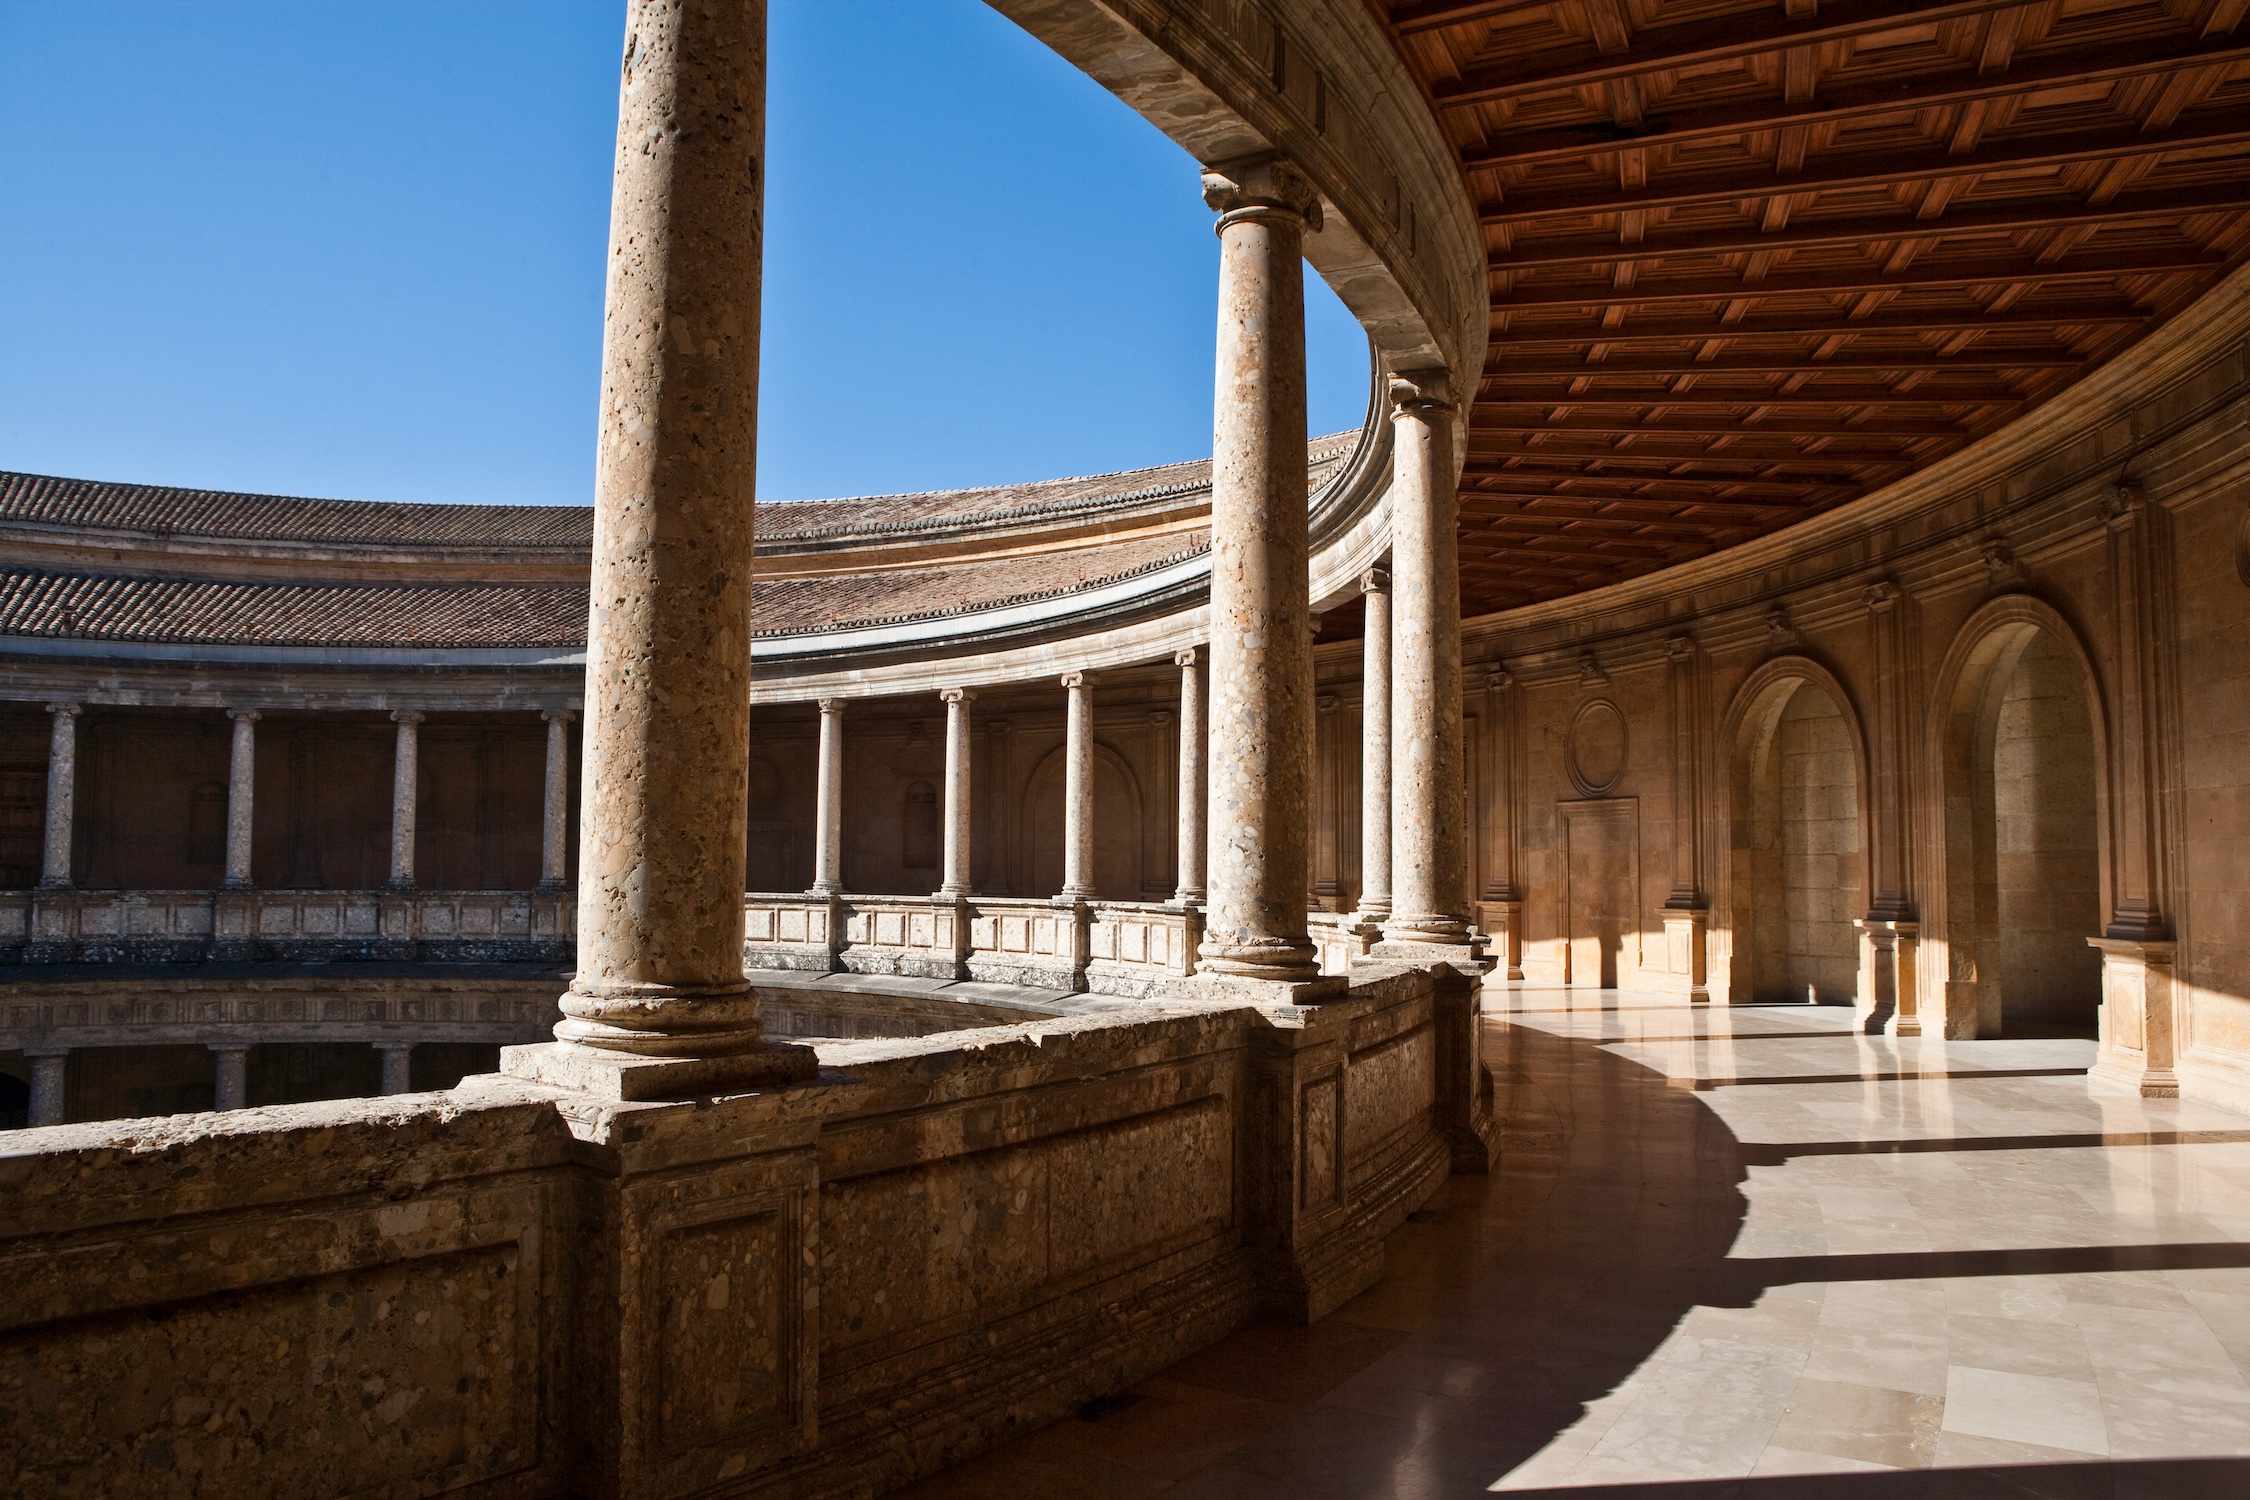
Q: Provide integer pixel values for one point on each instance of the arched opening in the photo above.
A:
(1804, 853)
(2036, 847)
(1797, 869)
(1117, 827)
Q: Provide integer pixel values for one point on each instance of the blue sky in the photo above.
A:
(356, 249)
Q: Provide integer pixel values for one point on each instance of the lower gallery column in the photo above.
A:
(1190, 892)
(398, 1066)
(242, 787)
(554, 822)
(1261, 725)
(828, 817)
(1078, 790)
(1375, 749)
(1429, 846)
(659, 1006)
(62, 788)
(49, 1087)
(230, 1075)
(406, 765)
(957, 808)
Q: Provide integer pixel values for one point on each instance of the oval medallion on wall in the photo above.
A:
(1597, 748)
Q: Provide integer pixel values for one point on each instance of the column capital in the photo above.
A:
(832, 705)
(1420, 394)
(1254, 186)
(1499, 680)
(1160, 717)
(558, 715)
(1077, 679)
(67, 709)
(1376, 580)
(1184, 657)
(1680, 647)
(407, 716)
(2123, 501)
(243, 715)
(1882, 597)
(957, 695)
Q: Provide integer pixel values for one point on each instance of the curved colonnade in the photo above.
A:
(799, 1269)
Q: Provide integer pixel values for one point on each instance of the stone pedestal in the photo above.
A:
(1502, 923)
(1888, 999)
(1685, 973)
(2139, 1048)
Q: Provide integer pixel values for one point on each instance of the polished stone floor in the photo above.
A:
(1745, 1253)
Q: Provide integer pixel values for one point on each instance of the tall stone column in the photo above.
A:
(242, 792)
(62, 791)
(406, 764)
(1889, 999)
(1429, 845)
(398, 1066)
(828, 815)
(230, 1075)
(1191, 891)
(1260, 765)
(49, 1087)
(554, 822)
(957, 785)
(659, 1006)
(1078, 790)
(1375, 749)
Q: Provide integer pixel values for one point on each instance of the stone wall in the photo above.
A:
(2047, 855)
(823, 1290)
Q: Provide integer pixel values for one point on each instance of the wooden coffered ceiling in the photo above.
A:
(1751, 260)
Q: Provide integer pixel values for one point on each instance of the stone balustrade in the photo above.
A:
(793, 1295)
(1124, 948)
(82, 926)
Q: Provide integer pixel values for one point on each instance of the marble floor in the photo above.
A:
(1745, 1253)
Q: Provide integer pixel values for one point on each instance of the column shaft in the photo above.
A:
(398, 1066)
(1429, 846)
(242, 791)
(48, 1087)
(554, 820)
(828, 818)
(62, 791)
(1260, 763)
(667, 736)
(230, 1078)
(957, 785)
(1078, 790)
(1375, 749)
(1190, 892)
(406, 765)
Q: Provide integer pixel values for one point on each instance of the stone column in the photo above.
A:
(242, 784)
(1888, 998)
(230, 1081)
(554, 824)
(398, 1066)
(1429, 847)
(62, 790)
(659, 1006)
(48, 1087)
(1078, 790)
(828, 814)
(406, 763)
(1190, 892)
(957, 808)
(1261, 727)
(1375, 749)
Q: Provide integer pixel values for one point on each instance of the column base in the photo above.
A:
(2138, 1050)
(1502, 920)
(1685, 971)
(626, 1078)
(1888, 1001)
(1469, 954)
(1270, 994)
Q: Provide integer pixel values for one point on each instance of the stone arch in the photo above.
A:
(1117, 826)
(1962, 950)
(1751, 909)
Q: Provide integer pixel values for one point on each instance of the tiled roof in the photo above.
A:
(226, 515)
(114, 607)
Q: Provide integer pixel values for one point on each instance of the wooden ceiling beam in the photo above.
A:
(2227, 125)
(1802, 234)
(1667, 48)
(1993, 270)
(2025, 314)
(1787, 362)
(1501, 398)
(1704, 425)
(1843, 103)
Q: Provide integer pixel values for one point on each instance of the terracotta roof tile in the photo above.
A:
(113, 607)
